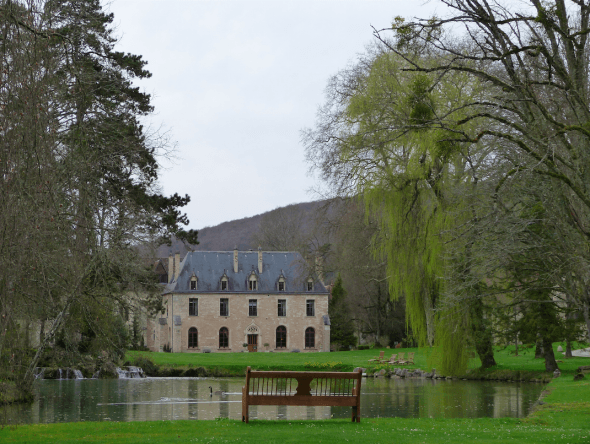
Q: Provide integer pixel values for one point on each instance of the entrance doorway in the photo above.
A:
(252, 343)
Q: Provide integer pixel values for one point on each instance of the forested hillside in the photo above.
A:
(239, 233)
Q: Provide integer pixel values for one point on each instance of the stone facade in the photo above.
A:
(285, 307)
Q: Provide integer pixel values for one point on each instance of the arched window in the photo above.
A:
(309, 337)
(281, 337)
(223, 338)
(193, 338)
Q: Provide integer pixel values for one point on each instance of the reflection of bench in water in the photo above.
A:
(302, 389)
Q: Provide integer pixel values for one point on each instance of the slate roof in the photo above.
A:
(210, 266)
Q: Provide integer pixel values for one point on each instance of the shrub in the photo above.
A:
(150, 368)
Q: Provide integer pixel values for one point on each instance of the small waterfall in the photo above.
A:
(60, 374)
(77, 374)
(96, 374)
(136, 372)
(39, 372)
(132, 372)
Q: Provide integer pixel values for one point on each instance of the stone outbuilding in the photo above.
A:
(219, 301)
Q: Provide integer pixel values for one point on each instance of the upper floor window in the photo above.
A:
(310, 307)
(224, 281)
(282, 307)
(310, 284)
(253, 307)
(193, 307)
(281, 283)
(193, 286)
(252, 283)
(224, 307)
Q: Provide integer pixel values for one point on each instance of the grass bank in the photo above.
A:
(563, 418)
(510, 367)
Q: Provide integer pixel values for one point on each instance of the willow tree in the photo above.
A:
(533, 57)
(385, 135)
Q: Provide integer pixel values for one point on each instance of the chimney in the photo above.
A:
(259, 259)
(235, 259)
(176, 265)
(170, 268)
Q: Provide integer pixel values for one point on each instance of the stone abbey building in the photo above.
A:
(218, 301)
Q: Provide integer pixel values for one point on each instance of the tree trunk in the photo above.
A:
(550, 363)
(586, 312)
(538, 349)
(482, 335)
(568, 349)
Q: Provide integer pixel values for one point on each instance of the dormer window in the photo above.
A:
(224, 281)
(281, 283)
(252, 282)
(310, 284)
(193, 285)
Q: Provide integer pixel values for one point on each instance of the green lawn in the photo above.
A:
(564, 418)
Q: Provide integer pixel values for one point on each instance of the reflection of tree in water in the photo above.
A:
(193, 393)
(223, 405)
(282, 412)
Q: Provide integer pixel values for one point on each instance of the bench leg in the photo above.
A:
(356, 414)
(244, 406)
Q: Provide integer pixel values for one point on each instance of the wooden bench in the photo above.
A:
(303, 389)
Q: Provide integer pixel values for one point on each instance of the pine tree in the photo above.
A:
(341, 325)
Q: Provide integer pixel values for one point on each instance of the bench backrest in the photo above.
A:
(286, 383)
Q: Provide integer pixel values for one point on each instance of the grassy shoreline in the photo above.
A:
(510, 367)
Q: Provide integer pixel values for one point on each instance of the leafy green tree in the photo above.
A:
(385, 133)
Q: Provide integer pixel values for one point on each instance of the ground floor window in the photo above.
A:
(193, 338)
(281, 336)
(309, 337)
(223, 337)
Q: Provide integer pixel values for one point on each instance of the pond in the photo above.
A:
(155, 399)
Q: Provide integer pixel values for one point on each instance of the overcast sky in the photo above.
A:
(234, 82)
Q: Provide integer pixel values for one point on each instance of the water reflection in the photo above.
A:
(155, 399)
